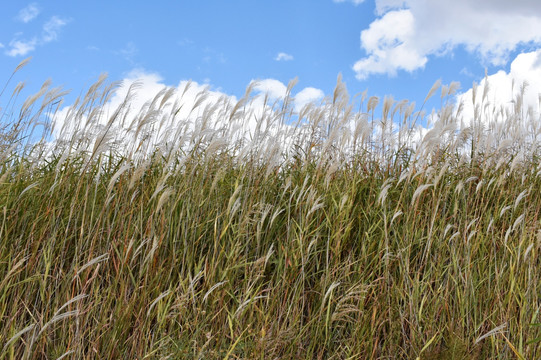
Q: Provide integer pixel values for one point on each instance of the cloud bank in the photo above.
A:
(168, 117)
(519, 88)
(407, 32)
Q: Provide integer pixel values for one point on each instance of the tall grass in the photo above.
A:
(246, 230)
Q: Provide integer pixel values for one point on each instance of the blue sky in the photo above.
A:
(388, 47)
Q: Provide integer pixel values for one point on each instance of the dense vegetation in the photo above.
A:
(345, 236)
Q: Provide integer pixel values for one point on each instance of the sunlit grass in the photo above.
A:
(330, 234)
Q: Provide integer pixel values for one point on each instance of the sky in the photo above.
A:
(387, 47)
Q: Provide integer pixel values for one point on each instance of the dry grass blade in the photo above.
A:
(96, 260)
(333, 286)
(17, 336)
(66, 354)
(247, 302)
(58, 317)
(161, 296)
(214, 287)
(495, 331)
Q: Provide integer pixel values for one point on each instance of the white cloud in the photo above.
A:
(145, 86)
(52, 27)
(306, 96)
(28, 13)
(387, 43)
(504, 87)
(181, 116)
(158, 117)
(408, 32)
(275, 89)
(1, 45)
(283, 57)
(21, 47)
(355, 2)
(151, 83)
(50, 31)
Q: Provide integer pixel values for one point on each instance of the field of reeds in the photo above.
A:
(246, 230)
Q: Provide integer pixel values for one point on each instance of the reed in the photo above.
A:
(229, 228)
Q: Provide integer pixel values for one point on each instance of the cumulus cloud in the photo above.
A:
(144, 86)
(275, 89)
(387, 41)
(407, 32)
(169, 118)
(504, 87)
(306, 96)
(283, 57)
(28, 13)
(169, 113)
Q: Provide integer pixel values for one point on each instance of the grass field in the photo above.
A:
(343, 232)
